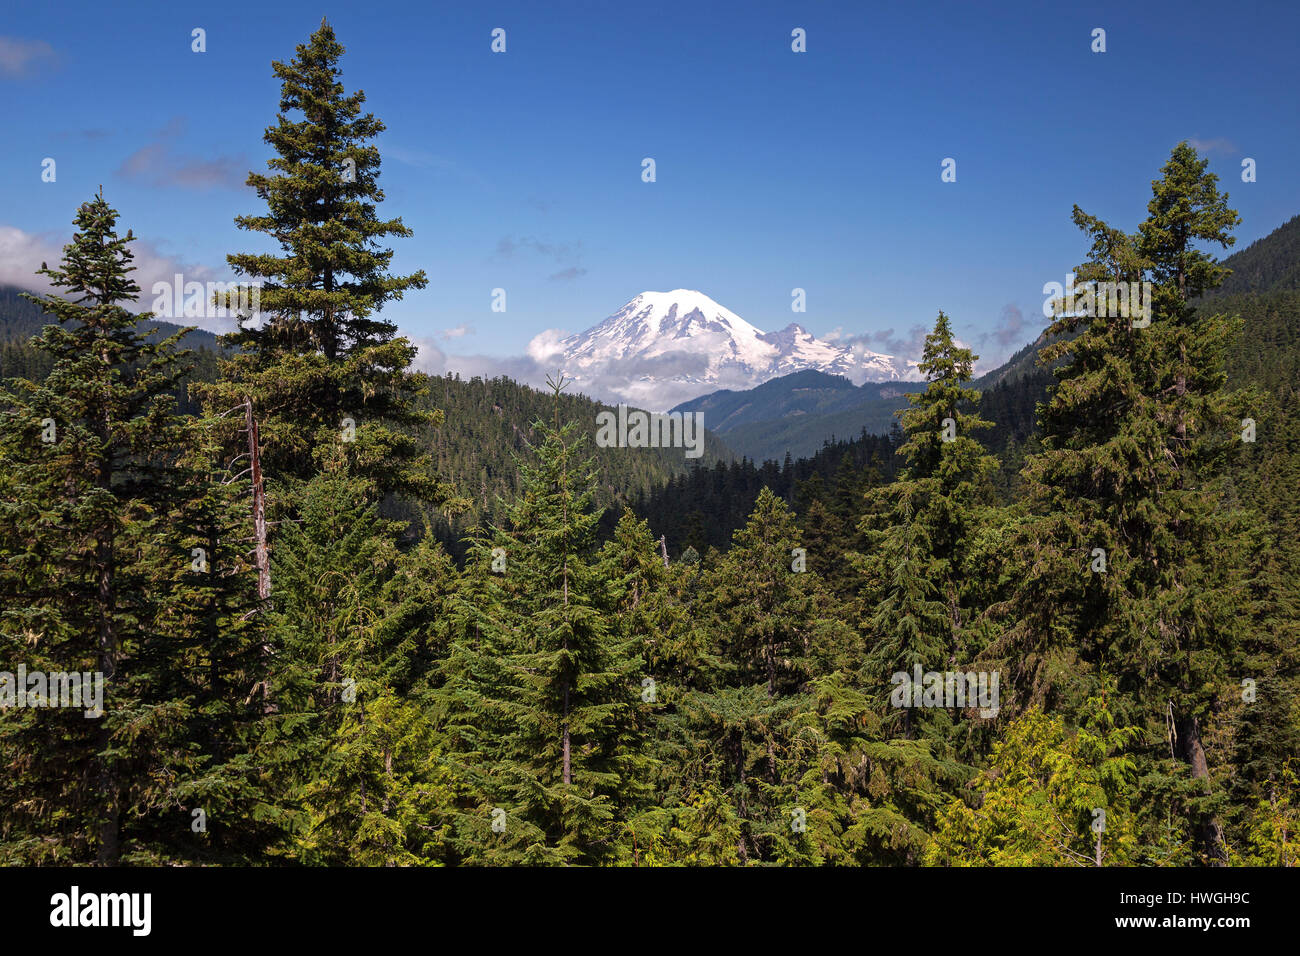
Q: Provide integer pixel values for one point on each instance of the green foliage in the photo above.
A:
(318, 357)
(1051, 797)
(1136, 434)
(91, 462)
(539, 692)
(917, 584)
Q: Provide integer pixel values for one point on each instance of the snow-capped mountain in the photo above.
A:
(663, 348)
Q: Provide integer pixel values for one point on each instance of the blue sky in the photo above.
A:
(775, 170)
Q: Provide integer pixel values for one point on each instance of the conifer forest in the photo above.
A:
(287, 595)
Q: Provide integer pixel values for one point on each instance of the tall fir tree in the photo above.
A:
(917, 588)
(319, 355)
(1131, 568)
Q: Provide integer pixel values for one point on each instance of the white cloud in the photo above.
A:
(546, 345)
(428, 357)
(21, 254)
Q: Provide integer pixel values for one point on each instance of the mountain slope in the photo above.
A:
(798, 413)
(1271, 264)
(21, 319)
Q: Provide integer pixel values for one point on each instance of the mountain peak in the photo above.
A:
(662, 348)
(680, 297)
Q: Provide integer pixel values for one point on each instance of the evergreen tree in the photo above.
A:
(776, 628)
(540, 693)
(918, 590)
(216, 659)
(1052, 797)
(319, 355)
(1131, 565)
(89, 458)
(352, 747)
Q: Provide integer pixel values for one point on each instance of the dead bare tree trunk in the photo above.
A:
(663, 548)
(566, 769)
(261, 559)
(109, 849)
(110, 825)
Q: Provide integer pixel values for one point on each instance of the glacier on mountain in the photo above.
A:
(662, 348)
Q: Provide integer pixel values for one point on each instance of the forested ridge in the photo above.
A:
(1036, 628)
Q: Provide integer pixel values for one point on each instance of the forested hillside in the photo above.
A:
(1271, 264)
(797, 414)
(703, 507)
(936, 647)
(488, 424)
(21, 320)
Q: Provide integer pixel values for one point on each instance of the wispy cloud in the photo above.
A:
(903, 350)
(20, 57)
(87, 134)
(160, 163)
(566, 254)
(543, 356)
(1009, 335)
(1217, 145)
(420, 159)
(1011, 330)
(21, 254)
(572, 272)
(507, 246)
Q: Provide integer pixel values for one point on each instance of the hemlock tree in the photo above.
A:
(319, 354)
(88, 459)
(1130, 565)
(540, 690)
(1051, 797)
(918, 530)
